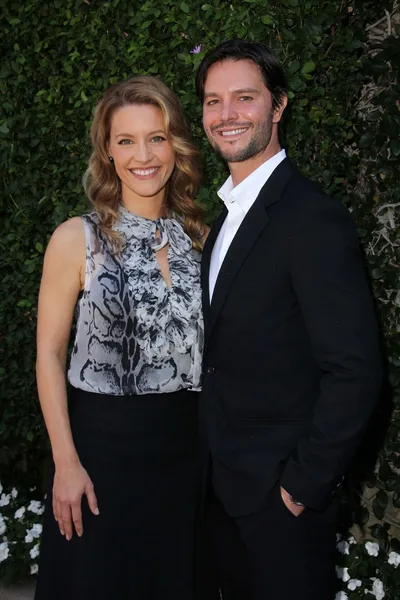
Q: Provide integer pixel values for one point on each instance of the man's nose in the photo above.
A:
(228, 111)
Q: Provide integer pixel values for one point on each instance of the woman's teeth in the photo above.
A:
(144, 172)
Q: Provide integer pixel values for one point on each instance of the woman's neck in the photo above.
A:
(148, 208)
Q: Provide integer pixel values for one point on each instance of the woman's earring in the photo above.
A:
(110, 158)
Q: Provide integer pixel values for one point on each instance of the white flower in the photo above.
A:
(354, 584)
(343, 573)
(4, 551)
(352, 540)
(4, 499)
(34, 569)
(377, 589)
(34, 551)
(37, 528)
(36, 507)
(1, 488)
(394, 559)
(19, 513)
(341, 596)
(338, 537)
(2, 525)
(33, 533)
(14, 493)
(372, 548)
(343, 547)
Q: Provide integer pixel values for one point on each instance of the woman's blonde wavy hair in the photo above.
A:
(101, 182)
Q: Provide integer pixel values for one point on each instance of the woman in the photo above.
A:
(120, 518)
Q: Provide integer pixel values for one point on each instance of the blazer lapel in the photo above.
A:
(250, 229)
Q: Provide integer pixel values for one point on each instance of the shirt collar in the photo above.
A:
(247, 191)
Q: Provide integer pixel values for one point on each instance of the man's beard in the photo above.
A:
(259, 141)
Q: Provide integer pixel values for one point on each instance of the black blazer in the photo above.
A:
(292, 365)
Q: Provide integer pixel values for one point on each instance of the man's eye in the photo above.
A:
(158, 138)
(124, 142)
(245, 98)
(212, 102)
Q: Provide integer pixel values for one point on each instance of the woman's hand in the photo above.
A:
(70, 484)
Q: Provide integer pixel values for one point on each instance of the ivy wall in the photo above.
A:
(342, 129)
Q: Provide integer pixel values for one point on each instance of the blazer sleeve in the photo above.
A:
(329, 278)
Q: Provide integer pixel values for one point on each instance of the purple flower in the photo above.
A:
(196, 49)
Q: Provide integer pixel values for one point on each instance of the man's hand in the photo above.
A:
(294, 509)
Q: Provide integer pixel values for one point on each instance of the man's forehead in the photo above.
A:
(234, 75)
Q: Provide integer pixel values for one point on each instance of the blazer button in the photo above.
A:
(210, 370)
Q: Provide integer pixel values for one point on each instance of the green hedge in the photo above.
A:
(341, 129)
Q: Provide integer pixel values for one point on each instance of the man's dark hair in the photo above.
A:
(236, 49)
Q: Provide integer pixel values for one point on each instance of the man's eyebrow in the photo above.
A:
(239, 91)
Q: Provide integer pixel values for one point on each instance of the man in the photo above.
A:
(292, 366)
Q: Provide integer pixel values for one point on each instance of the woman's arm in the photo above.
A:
(62, 279)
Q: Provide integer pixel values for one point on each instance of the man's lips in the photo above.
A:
(231, 132)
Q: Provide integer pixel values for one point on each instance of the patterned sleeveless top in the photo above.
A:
(135, 335)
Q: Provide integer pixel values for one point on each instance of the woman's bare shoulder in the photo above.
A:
(68, 235)
(68, 241)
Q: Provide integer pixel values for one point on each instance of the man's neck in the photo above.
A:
(240, 170)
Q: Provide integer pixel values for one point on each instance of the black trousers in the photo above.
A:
(270, 555)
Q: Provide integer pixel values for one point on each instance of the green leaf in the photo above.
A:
(294, 66)
(309, 67)
(382, 499)
(377, 273)
(366, 140)
(39, 247)
(185, 7)
(374, 116)
(395, 147)
(267, 20)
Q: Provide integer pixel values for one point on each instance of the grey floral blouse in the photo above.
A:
(136, 335)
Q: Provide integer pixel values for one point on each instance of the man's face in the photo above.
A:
(238, 117)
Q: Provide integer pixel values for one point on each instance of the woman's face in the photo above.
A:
(143, 157)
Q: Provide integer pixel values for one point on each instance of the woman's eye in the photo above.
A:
(158, 139)
(125, 142)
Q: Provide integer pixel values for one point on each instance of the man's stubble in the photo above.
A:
(258, 143)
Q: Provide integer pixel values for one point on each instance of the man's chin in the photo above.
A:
(233, 157)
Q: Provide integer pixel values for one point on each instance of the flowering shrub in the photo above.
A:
(20, 530)
(366, 570)
(363, 569)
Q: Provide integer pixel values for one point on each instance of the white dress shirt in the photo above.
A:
(238, 200)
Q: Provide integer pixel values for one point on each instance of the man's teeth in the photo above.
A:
(144, 171)
(234, 132)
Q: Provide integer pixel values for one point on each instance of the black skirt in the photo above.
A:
(142, 456)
